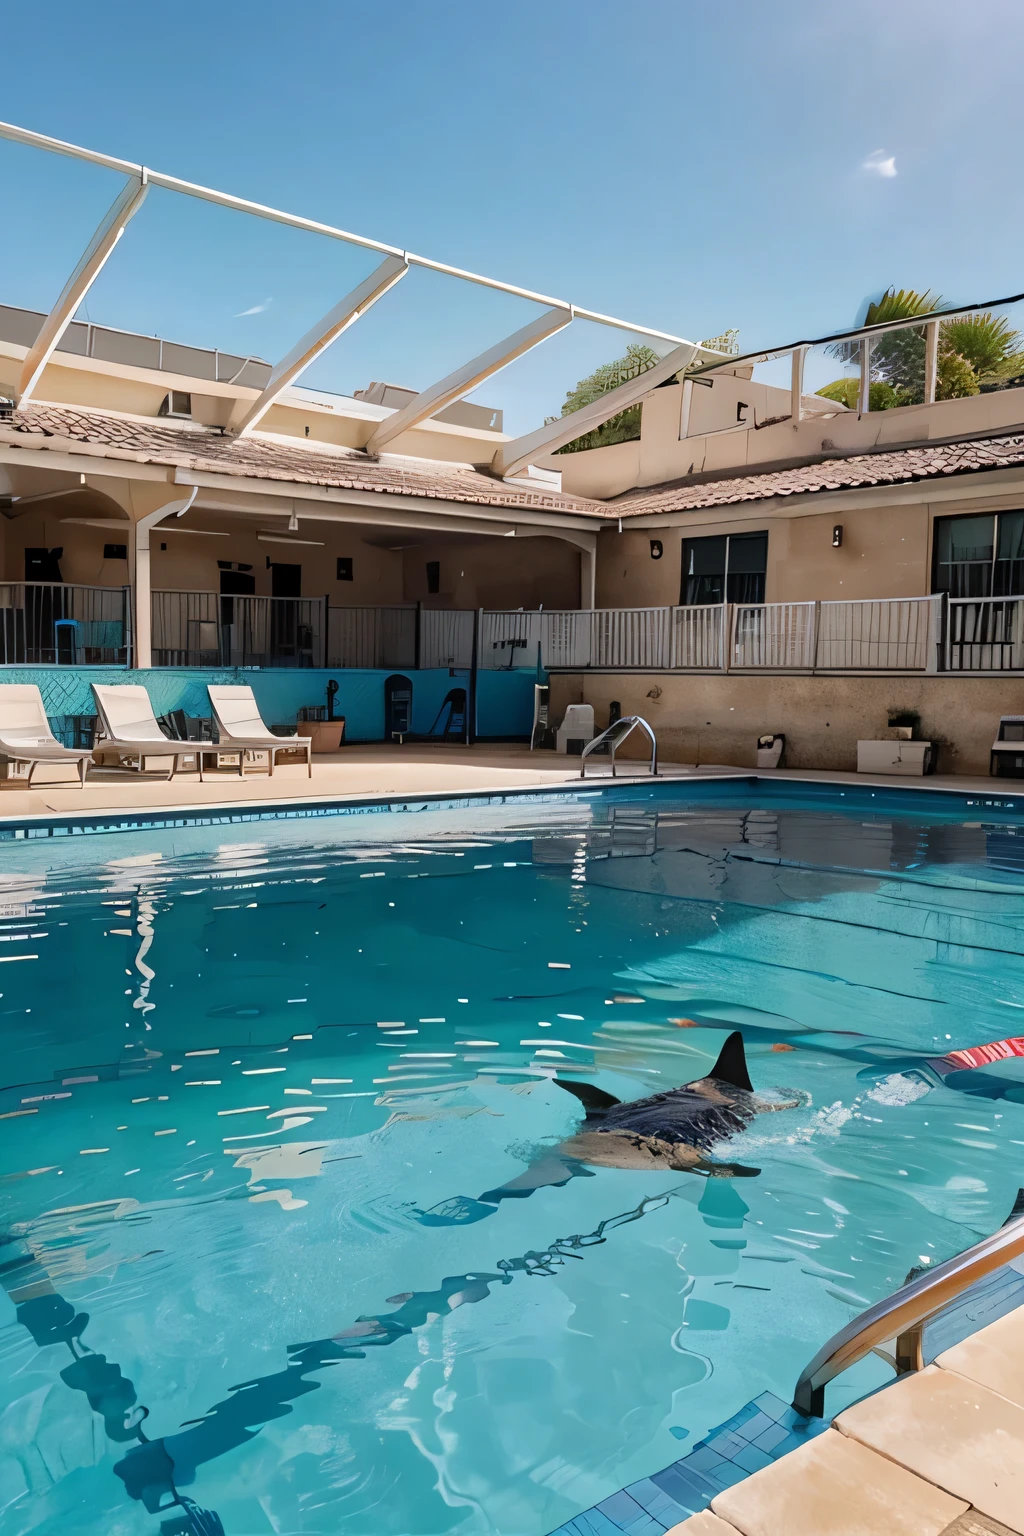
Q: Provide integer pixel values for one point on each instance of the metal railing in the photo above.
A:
(985, 634)
(898, 635)
(611, 739)
(777, 635)
(893, 634)
(61, 624)
(903, 1315)
(208, 629)
(372, 637)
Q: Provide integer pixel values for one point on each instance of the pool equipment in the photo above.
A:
(397, 707)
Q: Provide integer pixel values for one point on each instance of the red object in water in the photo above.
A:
(985, 1055)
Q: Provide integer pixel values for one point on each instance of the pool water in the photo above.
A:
(256, 1078)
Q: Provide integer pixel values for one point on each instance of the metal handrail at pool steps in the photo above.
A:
(928, 1315)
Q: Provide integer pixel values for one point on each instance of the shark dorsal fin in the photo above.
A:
(594, 1100)
(731, 1066)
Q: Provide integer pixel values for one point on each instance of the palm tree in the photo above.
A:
(973, 350)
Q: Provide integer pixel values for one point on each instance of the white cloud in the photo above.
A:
(881, 163)
(257, 309)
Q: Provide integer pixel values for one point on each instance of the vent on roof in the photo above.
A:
(178, 402)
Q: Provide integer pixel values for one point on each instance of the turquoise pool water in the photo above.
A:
(255, 1079)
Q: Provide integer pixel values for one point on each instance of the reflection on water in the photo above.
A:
(252, 1091)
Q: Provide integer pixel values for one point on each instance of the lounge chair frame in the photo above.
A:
(38, 744)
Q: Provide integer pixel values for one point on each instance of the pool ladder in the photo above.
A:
(904, 1315)
(613, 738)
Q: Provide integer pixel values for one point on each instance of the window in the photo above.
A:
(433, 576)
(728, 567)
(981, 556)
(115, 551)
(345, 568)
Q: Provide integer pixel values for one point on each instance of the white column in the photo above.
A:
(588, 575)
(142, 589)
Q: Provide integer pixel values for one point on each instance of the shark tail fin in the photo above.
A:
(731, 1066)
(594, 1100)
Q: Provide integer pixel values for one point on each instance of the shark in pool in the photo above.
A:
(675, 1130)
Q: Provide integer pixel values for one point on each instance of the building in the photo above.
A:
(754, 558)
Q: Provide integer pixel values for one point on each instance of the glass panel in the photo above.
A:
(703, 570)
(964, 547)
(748, 557)
(1009, 572)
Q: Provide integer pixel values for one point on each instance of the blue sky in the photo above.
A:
(689, 165)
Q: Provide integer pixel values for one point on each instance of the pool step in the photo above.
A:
(761, 1432)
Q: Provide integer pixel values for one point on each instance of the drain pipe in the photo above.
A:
(143, 585)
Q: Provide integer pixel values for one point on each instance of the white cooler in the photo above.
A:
(911, 759)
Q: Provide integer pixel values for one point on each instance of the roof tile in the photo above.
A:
(186, 446)
(891, 467)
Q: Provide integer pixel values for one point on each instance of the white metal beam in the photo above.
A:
(864, 396)
(316, 341)
(465, 379)
(931, 360)
(259, 210)
(796, 388)
(112, 227)
(514, 456)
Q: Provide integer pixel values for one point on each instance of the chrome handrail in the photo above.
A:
(903, 1315)
(614, 736)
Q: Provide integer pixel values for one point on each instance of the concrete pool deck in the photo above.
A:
(937, 1453)
(380, 771)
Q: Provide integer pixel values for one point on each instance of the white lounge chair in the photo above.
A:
(25, 734)
(131, 729)
(242, 728)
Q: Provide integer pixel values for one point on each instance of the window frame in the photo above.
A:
(994, 516)
(748, 533)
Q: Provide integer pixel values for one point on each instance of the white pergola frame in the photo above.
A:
(316, 341)
(558, 314)
(91, 263)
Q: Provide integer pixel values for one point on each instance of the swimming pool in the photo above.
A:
(257, 1077)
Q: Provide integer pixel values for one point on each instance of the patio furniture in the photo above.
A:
(576, 729)
(242, 728)
(25, 734)
(130, 729)
(1006, 758)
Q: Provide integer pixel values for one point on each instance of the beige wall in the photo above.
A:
(884, 553)
(496, 573)
(717, 442)
(717, 719)
(886, 550)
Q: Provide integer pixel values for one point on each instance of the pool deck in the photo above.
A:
(937, 1453)
(380, 772)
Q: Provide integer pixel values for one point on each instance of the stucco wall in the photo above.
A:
(495, 573)
(885, 552)
(717, 719)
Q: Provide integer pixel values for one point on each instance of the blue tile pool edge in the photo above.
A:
(900, 797)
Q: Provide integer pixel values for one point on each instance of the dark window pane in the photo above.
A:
(963, 555)
(748, 557)
(433, 576)
(746, 586)
(1009, 571)
(703, 570)
(748, 553)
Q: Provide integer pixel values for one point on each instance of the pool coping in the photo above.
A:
(290, 808)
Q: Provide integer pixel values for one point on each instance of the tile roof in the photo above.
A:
(894, 466)
(186, 446)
